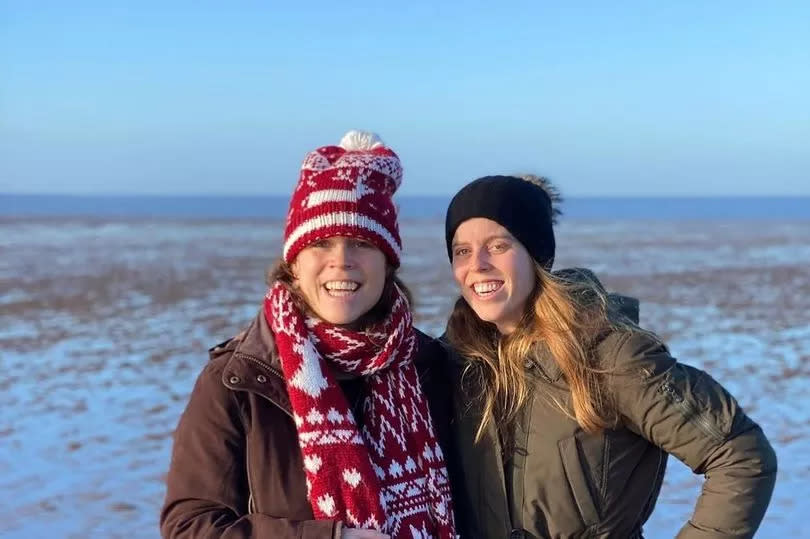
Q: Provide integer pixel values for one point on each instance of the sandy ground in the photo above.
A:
(104, 326)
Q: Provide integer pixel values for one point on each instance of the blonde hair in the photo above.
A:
(567, 316)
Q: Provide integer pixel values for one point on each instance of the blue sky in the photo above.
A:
(607, 98)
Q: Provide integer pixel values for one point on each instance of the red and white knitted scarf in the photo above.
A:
(390, 476)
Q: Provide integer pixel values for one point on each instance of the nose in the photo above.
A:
(481, 260)
(342, 256)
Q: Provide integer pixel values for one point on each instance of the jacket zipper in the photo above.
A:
(501, 474)
(250, 508)
(251, 502)
(272, 371)
(691, 413)
(262, 364)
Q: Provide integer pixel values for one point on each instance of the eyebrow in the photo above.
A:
(486, 240)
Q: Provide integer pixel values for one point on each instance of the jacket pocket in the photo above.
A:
(577, 481)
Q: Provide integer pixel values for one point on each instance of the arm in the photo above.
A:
(207, 491)
(688, 414)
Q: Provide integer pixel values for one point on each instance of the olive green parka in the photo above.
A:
(557, 481)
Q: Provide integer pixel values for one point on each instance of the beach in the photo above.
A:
(105, 324)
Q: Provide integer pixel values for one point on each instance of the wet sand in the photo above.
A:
(105, 324)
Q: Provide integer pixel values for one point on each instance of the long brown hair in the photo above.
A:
(567, 316)
(281, 271)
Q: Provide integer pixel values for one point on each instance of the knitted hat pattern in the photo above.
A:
(346, 190)
(527, 206)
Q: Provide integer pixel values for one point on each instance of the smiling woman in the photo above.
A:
(361, 298)
(494, 271)
(566, 410)
(327, 418)
(340, 278)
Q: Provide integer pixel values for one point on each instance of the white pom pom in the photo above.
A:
(360, 140)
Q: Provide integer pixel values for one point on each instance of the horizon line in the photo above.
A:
(408, 195)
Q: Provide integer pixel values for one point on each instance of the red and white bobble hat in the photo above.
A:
(346, 190)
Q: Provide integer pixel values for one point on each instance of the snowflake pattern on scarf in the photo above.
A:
(390, 475)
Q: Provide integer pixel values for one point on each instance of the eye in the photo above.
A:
(460, 251)
(499, 247)
(321, 244)
(363, 244)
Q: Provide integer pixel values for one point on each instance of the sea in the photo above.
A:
(416, 207)
(108, 305)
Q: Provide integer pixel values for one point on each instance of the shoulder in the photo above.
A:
(212, 410)
(220, 354)
(634, 352)
(210, 380)
(210, 387)
(255, 339)
(625, 340)
(432, 356)
(428, 347)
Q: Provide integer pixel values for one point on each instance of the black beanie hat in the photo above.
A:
(521, 206)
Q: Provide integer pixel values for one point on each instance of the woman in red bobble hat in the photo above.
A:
(327, 416)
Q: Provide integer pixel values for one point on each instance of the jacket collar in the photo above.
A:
(257, 342)
(254, 365)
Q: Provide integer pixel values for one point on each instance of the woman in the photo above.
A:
(317, 420)
(578, 407)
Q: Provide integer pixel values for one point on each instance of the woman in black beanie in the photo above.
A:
(566, 409)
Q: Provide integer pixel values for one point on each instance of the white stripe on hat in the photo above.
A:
(316, 198)
(338, 219)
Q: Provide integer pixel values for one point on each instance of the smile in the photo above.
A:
(486, 289)
(341, 289)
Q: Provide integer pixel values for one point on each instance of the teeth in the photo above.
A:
(487, 287)
(350, 286)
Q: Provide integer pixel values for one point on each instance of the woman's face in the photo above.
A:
(341, 278)
(494, 271)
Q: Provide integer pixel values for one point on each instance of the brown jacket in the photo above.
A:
(560, 482)
(236, 468)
